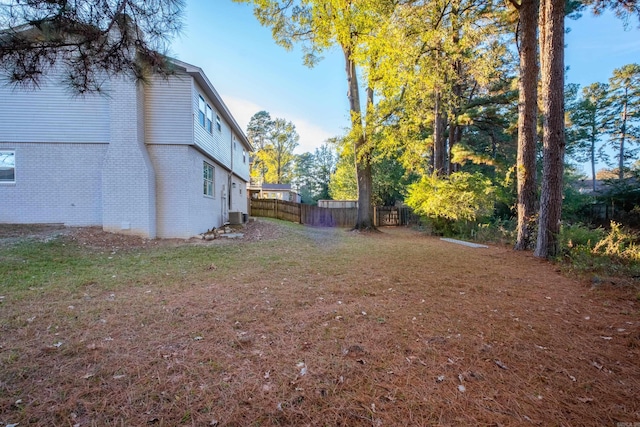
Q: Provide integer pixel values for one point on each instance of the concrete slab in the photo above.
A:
(462, 242)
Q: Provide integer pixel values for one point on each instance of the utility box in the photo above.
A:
(235, 218)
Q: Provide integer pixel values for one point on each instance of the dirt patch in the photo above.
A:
(11, 233)
(325, 327)
(98, 239)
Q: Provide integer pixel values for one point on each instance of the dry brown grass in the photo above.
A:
(323, 327)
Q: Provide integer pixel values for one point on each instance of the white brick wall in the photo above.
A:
(183, 210)
(128, 176)
(55, 183)
(171, 194)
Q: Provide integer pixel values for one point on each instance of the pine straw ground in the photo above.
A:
(320, 327)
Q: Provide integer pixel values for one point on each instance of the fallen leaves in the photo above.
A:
(501, 365)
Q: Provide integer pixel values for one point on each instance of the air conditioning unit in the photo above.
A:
(235, 218)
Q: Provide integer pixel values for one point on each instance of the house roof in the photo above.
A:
(192, 70)
(276, 186)
(212, 93)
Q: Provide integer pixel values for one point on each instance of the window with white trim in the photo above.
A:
(209, 118)
(207, 179)
(202, 106)
(244, 156)
(7, 166)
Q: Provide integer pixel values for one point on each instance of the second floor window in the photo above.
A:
(201, 110)
(208, 125)
(218, 123)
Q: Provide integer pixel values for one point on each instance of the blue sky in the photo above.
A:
(252, 73)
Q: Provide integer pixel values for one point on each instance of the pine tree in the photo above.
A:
(86, 39)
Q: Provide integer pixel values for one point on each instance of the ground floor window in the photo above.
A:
(208, 179)
(7, 166)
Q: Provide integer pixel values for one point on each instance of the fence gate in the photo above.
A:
(387, 216)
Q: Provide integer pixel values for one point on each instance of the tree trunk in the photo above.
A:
(451, 141)
(527, 119)
(439, 146)
(623, 134)
(362, 151)
(552, 71)
(593, 160)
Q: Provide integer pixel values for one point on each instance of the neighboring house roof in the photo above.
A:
(585, 186)
(276, 187)
(604, 186)
(203, 81)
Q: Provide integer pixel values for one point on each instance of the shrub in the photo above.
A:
(615, 251)
(460, 197)
(579, 235)
(620, 244)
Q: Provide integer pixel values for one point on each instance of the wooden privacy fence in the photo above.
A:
(328, 217)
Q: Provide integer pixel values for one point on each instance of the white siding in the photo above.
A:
(218, 143)
(52, 114)
(55, 183)
(240, 164)
(168, 110)
(239, 194)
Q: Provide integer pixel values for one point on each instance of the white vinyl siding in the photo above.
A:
(51, 113)
(168, 111)
(216, 145)
(240, 159)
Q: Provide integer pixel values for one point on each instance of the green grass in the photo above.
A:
(66, 267)
(60, 265)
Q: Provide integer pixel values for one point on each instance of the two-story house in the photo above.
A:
(159, 159)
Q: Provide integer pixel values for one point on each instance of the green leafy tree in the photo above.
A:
(313, 173)
(325, 165)
(624, 126)
(460, 197)
(343, 184)
(259, 132)
(318, 25)
(277, 154)
(433, 63)
(588, 117)
(303, 180)
(551, 42)
(86, 39)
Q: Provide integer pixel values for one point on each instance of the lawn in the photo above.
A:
(307, 326)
